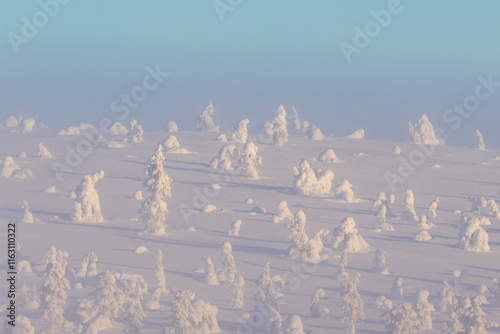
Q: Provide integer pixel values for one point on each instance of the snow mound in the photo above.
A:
(137, 195)
(118, 128)
(209, 208)
(24, 267)
(50, 190)
(396, 150)
(423, 235)
(358, 134)
(315, 134)
(171, 127)
(111, 144)
(43, 152)
(171, 145)
(141, 250)
(74, 130)
(344, 192)
(9, 169)
(11, 122)
(222, 138)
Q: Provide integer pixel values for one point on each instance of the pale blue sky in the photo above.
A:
(264, 53)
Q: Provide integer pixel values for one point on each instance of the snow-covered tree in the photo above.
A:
(424, 224)
(402, 320)
(424, 309)
(229, 270)
(482, 146)
(280, 132)
(227, 154)
(239, 132)
(118, 128)
(409, 213)
(315, 310)
(53, 291)
(135, 134)
(237, 292)
(329, 156)
(292, 325)
(27, 216)
(300, 127)
(158, 183)
(341, 273)
(472, 237)
(235, 227)
(344, 192)
(210, 274)
(301, 245)
(382, 215)
(423, 132)
(315, 133)
(205, 121)
(86, 206)
(43, 152)
(432, 209)
(345, 237)
(379, 262)
(352, 304)
(397, 289)
(27, 125)
(249, 160)
(310, 182)
(358, 134)
(284, 212)
(383, 200)
(9, 168)
(161, 285)
(446, 297)
(468, 317)
(134, 287)
(23, 326)
(171, 127)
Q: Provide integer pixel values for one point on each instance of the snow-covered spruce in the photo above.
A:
(397, 289)
(87, 266)
(284, 213)
(235, 227)
(301, 246)
(280, 132)
(301, 128)
(53, 291)
(43, 152)
(205, 121)
(188, 317)
(382, 199)
(379, 262)
(227, 154)
(170, 127)
(484, 207)
(161, 285)
(409, 213)
(154, 209)
(312, 183)
(86, 206)
(248, 161)
(315, 133)
(382, 215)
(210, 274)
(239, 132)
(472, 237)
(342, 271)
(135, 134)
(315, 310)
(329, 156)
(482, 146)
(352, 304)
(424, 224)
(344, 192)
(358, 134)
(446, 297)
(424, 310)
(9, 169)
(228, 272)
(27, 216)
(134, 287)
(12, 121)
(422, 132)
(402, 319)
(237, 292)
(267, 300)
(346, 238)
(27, 125)
(467, 317)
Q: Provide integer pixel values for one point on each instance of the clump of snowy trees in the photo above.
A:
(472, 237)
(280, 132)
(311, 182)
(346, 238)
(9, 169)
(329, 156)
(422, 132)
(344, 192)
(135, 134)
(154, 209)
(205, 121)
(301, 246)
(246, 157)
(86, 205)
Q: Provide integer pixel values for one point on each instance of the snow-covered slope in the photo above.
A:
(452, 174)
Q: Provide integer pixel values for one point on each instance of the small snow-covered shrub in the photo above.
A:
(27, 125)
(227, 154)
(118, 128)
(171, 145)
(329, 156)
(235, 227)
(27, 217)
(310, 182)
(43, 152)
(210, 275)
(135, 134)
(239, 133)
(422, 132)
(209, 208)
(50, 190)
(409, 213)
(9, 169)
(315, 133)
(346, 238)
(171, 127)
(205, 121)
(358, 134)
(343, 191)
(472, 237)
(292, 325)
(280, 132)
(137, 195)
(314, 308)
(423, 235)
(11, 122)
(379, 262)
(300, 127)
(284, 212)
(86, 206)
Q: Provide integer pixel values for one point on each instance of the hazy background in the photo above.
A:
(264, 53)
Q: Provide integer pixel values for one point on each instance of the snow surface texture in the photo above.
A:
(285, 290)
